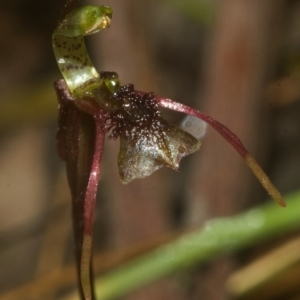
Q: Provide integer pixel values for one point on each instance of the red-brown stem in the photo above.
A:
(89, 208)
(233, 140)
(91, 191)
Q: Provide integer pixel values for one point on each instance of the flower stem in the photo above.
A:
(89, 207)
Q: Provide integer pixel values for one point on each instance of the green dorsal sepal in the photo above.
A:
(84, 21)
(69, 47)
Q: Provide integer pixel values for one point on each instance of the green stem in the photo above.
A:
(217, 237)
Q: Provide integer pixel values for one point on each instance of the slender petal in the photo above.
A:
(233, 140)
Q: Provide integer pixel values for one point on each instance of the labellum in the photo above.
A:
(147, 141)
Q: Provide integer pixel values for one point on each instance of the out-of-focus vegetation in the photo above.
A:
(238, 61)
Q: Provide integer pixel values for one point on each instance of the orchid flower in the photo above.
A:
(93, 105)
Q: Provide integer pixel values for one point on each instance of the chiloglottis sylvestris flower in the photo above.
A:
(93, 104)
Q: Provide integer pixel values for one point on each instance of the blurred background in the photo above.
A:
(237, 60)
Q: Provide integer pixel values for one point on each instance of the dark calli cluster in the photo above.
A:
(138, 113)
